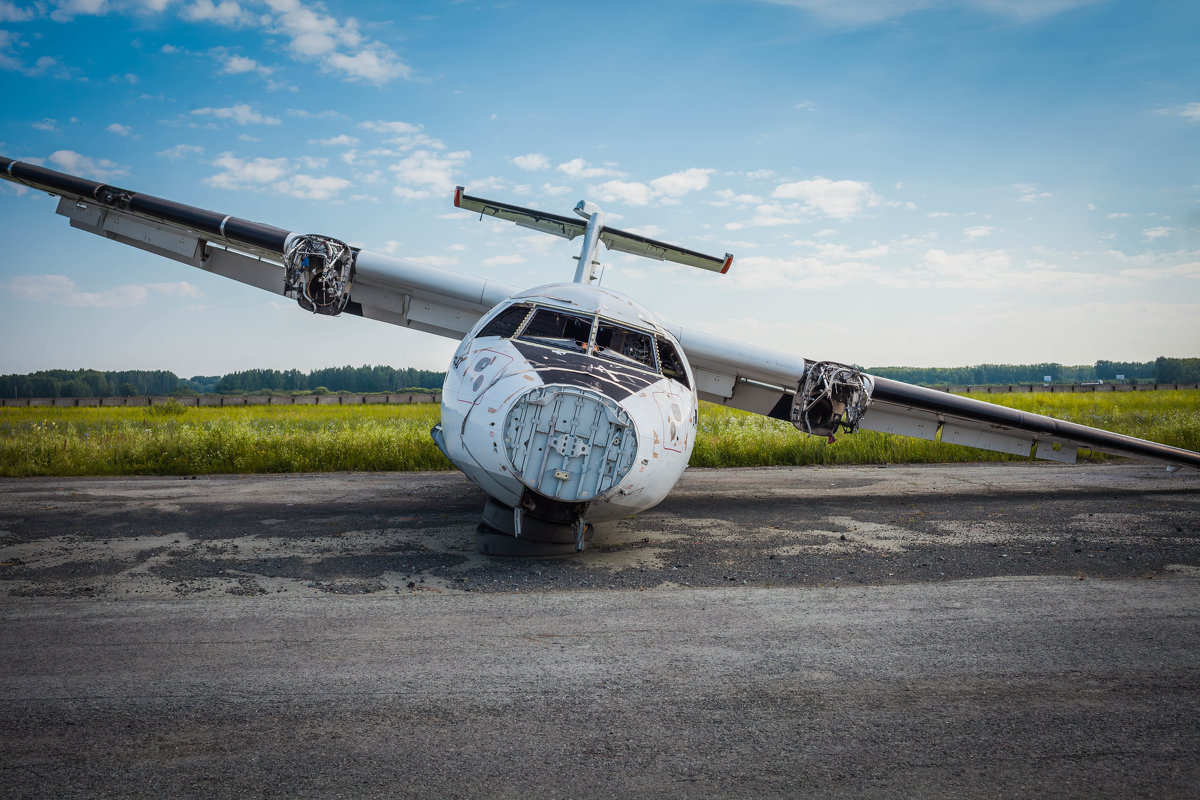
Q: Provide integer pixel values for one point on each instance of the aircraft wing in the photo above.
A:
(372, 285)
(823, 397)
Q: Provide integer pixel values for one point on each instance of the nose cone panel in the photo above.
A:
(569, 443)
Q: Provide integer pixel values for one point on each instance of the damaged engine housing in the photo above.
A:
(318, 274)
(831, 396)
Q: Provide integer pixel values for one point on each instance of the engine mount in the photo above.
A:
(318, 273)
(831, 396)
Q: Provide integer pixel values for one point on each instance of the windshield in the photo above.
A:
(584, 333)
(618, 343)
(558, 328)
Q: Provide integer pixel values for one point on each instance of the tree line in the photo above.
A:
(366, 379)
(1005, 374)
(97, 383)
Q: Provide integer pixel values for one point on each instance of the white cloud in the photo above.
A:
(119, 129)
(1150, 234)
(1119, 215)
(504, 261)
(551, 190)
(978, 232)
(424, 173)
(665, 190)
(1029, 192)
(310, 187)
(837, 199)
(240, 65)
(767, 215)
(10, 12)
(335, 45)
(728, 197)
(680, 183)
(46, 125)
(226, 13)
(86, 166)
(181, 151)
(403, 136)
(62, 291)
(242, 174)
(341, 140)
(67, 10)
(578, 168)
(532, 161)
(1190, 112)
(630, 192)
(1189, 270)
(240, 113)
(381, 126)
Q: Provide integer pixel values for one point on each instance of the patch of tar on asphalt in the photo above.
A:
(1110, 523)
(845, 536)
(350, 562)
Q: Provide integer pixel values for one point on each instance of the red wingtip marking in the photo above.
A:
(458, 190)
(728, 263)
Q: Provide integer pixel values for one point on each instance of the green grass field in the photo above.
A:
(174, 440)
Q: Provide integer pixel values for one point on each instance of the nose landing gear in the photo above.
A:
(505, 532)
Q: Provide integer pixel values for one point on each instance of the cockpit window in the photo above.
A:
(558, 328)
(617, 343)
(506, 323)
(668, 358)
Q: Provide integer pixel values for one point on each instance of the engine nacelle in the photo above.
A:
(831, 396)
(319, 270)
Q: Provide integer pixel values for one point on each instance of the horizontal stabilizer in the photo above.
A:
(625, 242)
(566, 227)
(570, 227)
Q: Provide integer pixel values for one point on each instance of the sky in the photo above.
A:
(903, 182)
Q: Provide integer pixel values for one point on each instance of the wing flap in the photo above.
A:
(977, 436)
(887, 420)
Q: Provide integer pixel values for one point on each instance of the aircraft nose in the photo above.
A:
(569, 443)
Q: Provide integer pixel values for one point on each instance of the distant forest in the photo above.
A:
(365, 379)
(94, 383)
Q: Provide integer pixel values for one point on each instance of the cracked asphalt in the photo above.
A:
(990, 630)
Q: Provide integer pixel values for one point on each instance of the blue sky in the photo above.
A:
(918, 182)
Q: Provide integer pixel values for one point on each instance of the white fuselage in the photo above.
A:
(528, 407)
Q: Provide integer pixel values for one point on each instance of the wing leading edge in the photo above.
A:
(381, 287)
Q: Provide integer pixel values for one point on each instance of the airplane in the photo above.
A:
(568, 404)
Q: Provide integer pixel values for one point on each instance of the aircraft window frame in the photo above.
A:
(590, 347)
(677, 372)
(626, 353)
(581, 344)
(499, 320)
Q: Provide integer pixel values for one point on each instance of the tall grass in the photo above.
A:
(178, 440)
(189, 441)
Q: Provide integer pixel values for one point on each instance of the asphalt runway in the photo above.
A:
(946, 631)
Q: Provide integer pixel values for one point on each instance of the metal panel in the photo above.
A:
(1064, 455)
(714, 383)
(87, 215)
(889, 421)
(985, 440)
(247, 269)
(137, 232)
(437, 318)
